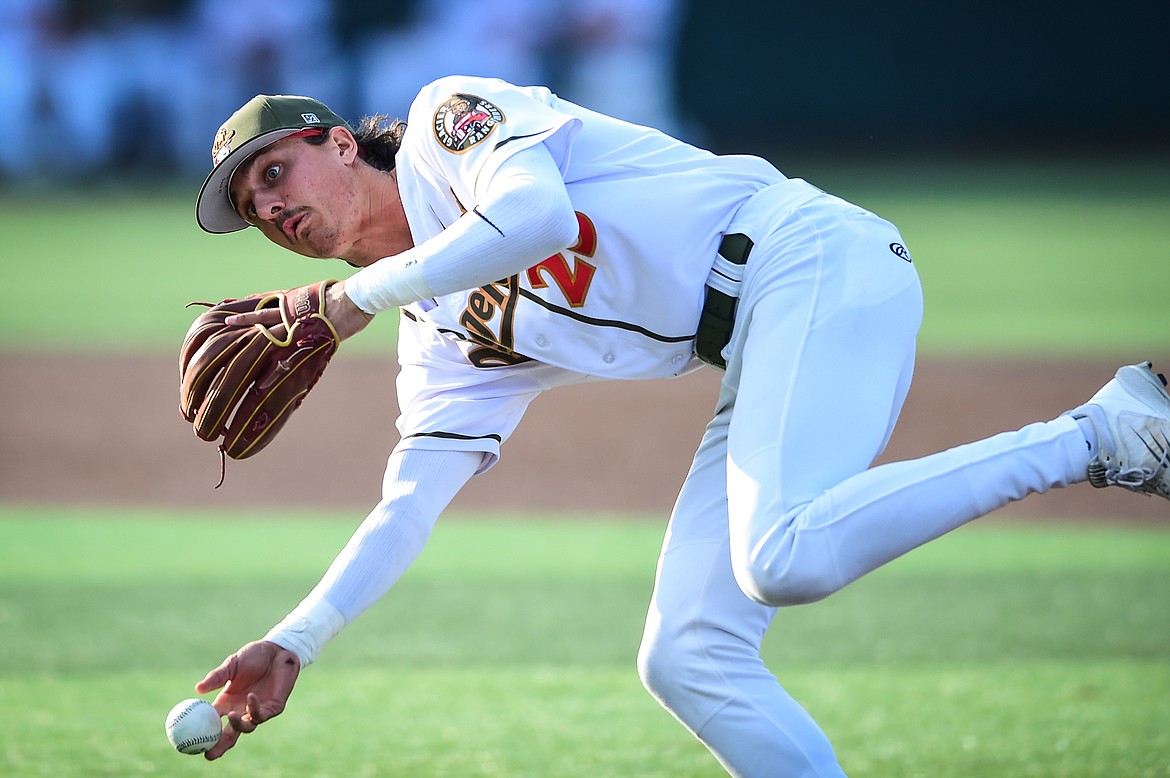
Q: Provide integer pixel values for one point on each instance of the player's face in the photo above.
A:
(300, 194)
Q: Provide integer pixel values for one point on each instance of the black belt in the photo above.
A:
(718, 317)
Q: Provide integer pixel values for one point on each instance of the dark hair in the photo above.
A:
(378, 138)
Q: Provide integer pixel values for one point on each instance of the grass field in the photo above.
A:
(993, 652)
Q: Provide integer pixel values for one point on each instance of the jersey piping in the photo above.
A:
(454, 436)
(622, 325)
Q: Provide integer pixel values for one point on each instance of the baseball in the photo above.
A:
(193, 726)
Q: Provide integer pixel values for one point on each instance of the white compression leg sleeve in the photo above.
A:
(417, 487)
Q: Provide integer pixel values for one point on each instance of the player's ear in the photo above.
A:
(342, 140)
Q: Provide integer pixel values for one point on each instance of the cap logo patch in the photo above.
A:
(310, 118)
(222, 146)
(465, 120)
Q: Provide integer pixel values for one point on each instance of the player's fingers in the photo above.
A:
(254, 711)
(251, 717)
(224, 703)
(259, 712)
(266, 316)
(227, 739)
(240, 723)
(217, 677)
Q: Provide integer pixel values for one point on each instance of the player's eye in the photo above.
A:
(271, 173)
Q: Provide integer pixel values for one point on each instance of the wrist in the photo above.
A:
(306, 630)
(389, 283)
(347, 318)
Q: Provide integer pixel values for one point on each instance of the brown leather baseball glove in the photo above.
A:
(242, 383)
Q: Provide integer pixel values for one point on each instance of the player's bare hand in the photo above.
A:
(256, 682)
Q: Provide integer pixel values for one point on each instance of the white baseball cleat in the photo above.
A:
(1131, 415)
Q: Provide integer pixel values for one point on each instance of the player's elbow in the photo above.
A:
(550, 212)
(528, 196)
(567, 225)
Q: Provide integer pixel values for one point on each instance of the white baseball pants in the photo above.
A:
(779, 507)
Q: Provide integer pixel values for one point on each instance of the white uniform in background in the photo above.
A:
(779, 507)
(620, 58)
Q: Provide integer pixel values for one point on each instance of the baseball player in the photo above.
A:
(531, 243)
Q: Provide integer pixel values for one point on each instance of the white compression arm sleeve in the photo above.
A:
(524, 216)
(418, 486)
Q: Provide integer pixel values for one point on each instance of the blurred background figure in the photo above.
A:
(502, 38)
(110, 87)
(107, 89)
(618, 57)
(26, 29)
(240, 48)
(135, 87)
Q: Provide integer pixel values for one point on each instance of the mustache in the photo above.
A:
(286, 216)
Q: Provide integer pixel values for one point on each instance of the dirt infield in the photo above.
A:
(78, 430)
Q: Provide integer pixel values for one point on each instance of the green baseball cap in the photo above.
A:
(262, 121)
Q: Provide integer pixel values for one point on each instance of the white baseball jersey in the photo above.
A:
(781, 505)
(622, 302)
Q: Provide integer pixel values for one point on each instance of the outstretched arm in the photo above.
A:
(524, 215)
(258, 679)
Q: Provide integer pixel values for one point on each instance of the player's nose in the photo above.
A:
(267, 204)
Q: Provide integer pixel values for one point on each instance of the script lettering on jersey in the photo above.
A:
(489, 317)
(484, 306)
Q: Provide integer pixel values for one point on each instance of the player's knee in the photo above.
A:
(694, 666)
(672, 671)
(790, 579)
(657, 664)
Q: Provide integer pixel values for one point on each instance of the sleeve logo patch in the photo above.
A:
(465, 120)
